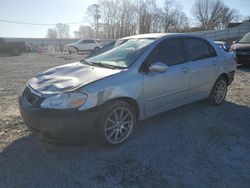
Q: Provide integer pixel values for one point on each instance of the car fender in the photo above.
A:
(110, 88)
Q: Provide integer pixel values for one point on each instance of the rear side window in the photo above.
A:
(169, 51)
(198, 49)
(90, 41)
(87, 41)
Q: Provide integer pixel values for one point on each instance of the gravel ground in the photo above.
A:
(193, 146)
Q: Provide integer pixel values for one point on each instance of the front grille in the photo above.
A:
(30, 96)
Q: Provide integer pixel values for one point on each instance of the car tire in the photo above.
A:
(116, 123)
(219, 91)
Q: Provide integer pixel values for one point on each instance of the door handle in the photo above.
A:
(214, 62)
(184, 69)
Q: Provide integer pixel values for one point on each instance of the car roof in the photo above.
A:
(155, 35)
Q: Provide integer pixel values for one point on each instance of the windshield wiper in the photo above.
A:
(86, 62)
(99, 64)
(105, 65)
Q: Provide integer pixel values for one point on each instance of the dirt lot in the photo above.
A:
(193, 146)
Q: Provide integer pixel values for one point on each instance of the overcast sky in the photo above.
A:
(65, 11)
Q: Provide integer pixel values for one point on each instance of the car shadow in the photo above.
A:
(195, 145)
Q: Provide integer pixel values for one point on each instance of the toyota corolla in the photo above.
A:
(110, 92)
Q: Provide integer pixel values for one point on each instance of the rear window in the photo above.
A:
(88, 41)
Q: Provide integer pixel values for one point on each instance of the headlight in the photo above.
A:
(64, 101)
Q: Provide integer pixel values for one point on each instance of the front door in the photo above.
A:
(166, 90)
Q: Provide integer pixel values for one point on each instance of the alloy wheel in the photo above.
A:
(118, 125)
(220, 91)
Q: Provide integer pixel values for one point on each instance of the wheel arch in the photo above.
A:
(75, 47)
(224, 75)
(130, 101)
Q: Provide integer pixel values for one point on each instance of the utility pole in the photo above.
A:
(97, 17)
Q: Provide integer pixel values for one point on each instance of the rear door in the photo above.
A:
(167, 90)
(87, 45)
(202, 63)
(91, 45)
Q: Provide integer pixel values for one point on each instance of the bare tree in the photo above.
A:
(174, 19)
(85, 32)
(146, 11)
(126, 22)
(51, 33)
(157, 24)
(94, 13)
(109, 16)
(62, 30)
(120, 18)
(212, 14)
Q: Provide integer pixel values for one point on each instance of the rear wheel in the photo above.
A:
(219, 92)
(116, 123)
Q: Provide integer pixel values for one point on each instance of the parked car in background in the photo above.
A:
(108, 93)
(85, 45)
(14, 48)
(224, 45)
(108, 47)
(242, 49)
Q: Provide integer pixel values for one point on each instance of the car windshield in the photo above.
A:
(245, 38)
(123, 55)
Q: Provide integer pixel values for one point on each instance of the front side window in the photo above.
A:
(198, 49)
(123, 55)
(169, 51)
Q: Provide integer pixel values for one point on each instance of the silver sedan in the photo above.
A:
(109, 92)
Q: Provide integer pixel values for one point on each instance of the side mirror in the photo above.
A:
(158, 67)
(235, 42)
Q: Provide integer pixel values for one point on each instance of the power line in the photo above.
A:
(41, 24)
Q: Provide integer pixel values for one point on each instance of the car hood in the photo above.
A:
(241, 47)
(68, 77)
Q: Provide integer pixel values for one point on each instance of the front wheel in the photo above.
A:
(116, 123)
(219, 92)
